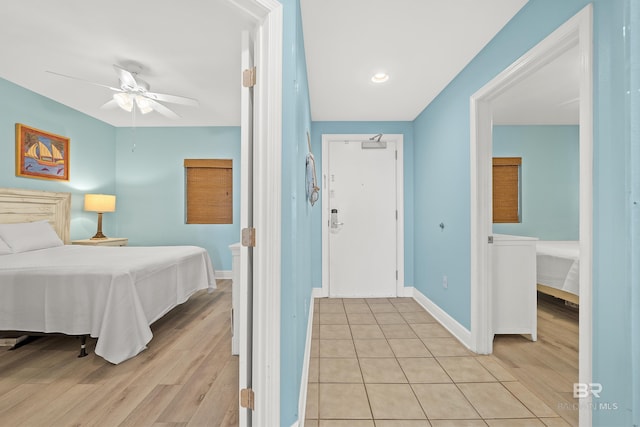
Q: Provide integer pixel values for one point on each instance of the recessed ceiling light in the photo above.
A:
(380, 77)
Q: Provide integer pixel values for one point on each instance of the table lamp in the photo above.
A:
(99, 203)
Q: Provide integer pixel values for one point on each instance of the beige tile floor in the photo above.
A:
(385, 362)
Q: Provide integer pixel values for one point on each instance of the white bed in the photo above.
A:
(111, 293)
(558, 269)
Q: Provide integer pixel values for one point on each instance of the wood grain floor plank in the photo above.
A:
(44, 383)
(52, 411)
(190, 397)
(223, 390)
(548, 367)
(146, 413)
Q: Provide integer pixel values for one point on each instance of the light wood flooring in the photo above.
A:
(186, 376)
(549, 366)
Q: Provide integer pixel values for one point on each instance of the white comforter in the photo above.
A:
(112, 293)
(558, 264)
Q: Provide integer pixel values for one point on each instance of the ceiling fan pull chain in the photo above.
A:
(133, 129)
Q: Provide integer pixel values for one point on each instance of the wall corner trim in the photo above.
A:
(318, 293)
(304, 378)
(461, 333)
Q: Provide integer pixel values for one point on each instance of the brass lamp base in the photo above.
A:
(99, 235)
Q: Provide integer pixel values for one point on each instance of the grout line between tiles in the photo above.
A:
(436, 358)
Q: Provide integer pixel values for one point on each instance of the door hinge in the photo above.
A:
(490, 239)
(396, 274)
(249, 77)
(247, 398)
(249, 237)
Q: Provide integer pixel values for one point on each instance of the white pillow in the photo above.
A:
(4, 248)
(29, 236)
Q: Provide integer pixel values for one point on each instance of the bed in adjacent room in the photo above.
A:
(558, 269)
(111, 293)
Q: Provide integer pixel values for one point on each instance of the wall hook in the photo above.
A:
(442, 225)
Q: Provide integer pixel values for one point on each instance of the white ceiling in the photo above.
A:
(189, 49)
(550, 96)
(192, 49)
(421, 44)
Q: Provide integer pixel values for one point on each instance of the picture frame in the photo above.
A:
(41, 154)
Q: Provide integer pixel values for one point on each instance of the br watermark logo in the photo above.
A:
(584, 390)
(581, 390)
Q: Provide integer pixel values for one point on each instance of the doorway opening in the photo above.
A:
(576, 32)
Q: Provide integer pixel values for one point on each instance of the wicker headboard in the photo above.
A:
(18, 205)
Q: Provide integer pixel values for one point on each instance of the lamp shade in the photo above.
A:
(99, 202)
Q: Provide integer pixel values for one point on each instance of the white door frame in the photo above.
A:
(267, 218)
(242, 292)
(326, 140)
(577, 31)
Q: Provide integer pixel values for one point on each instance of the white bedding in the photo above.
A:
(558, 264)
(111, 293)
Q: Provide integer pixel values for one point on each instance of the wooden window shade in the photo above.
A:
(506, 189)
(209, 191)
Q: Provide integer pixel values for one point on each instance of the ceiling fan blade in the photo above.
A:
(83, 80)
(173, 99)
(163, 110)
(126, 78)
(111, 104)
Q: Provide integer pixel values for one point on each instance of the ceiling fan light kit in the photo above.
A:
(134, 93)
(125, 101)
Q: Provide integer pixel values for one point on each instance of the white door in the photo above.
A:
(361, 202)
(246, 221)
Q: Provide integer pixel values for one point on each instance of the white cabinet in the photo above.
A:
(514, 302)
(235, 297)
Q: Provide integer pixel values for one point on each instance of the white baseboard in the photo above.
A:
(318, 293)
(224, 274)
(407, 291)
(457, 330)
(304, 380)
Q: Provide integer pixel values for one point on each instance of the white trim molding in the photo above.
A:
(304, 381)
(577, 31)
(267, 195)
(318, 293)
(223, 274)
(267, 218)
(461, 333)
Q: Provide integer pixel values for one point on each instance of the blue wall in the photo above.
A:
(550, 179)
(441, 138)
(150, 183)
(92, 160)
(296, 214)
(633, 125)
(373, 128)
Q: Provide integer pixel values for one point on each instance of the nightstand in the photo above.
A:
(109, 241)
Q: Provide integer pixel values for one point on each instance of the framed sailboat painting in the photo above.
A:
(41, 154)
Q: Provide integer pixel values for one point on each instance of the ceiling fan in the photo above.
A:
(134, 93)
